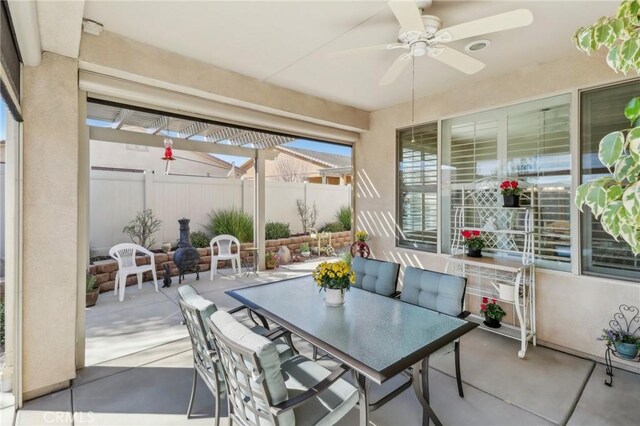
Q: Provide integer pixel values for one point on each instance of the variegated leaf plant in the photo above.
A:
(615, 199)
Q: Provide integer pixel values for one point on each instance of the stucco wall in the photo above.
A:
(50, 191)
(571, 309)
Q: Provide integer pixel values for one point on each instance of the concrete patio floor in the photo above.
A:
(140, 369)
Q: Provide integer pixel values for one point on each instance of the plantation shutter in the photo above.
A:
(10, 64)
(538, 151)
(418, 181)
(473, 150)
(602, 112)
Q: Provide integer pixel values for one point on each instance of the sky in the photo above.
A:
(299, 143)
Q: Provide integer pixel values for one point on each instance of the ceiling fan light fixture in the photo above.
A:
(476, 45)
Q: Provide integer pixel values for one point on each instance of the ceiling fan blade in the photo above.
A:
(389, 46)
(408, 14)
(491, 24)
(395, 69)
(455, 59)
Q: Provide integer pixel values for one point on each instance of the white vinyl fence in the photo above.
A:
(117, 196)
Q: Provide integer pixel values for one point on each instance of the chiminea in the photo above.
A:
(186, 258)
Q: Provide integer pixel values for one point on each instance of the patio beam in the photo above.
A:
(137, 138)
(158, 125)
(120, 119)
(259, 207)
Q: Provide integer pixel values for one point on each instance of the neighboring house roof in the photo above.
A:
(322, 159)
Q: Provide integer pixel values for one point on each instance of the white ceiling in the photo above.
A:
(287, 42)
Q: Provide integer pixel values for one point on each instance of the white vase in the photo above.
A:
(333, 297)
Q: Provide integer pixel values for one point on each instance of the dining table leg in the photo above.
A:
(421, 389)
(363, 402)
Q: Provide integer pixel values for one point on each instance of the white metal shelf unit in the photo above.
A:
(509, 256)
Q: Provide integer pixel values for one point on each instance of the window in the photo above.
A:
(529, 142)
(601, 113)
(417, 188)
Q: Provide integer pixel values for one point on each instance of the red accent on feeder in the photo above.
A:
(168, 154)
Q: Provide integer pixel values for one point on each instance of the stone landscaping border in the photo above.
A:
(105, 270)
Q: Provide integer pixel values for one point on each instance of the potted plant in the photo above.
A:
(270, 260)
(493, 313)
(335, 279)
(510, 193)
(93, 290)
(360, 246)
(626, 344)
(473, 242)
(304, 250)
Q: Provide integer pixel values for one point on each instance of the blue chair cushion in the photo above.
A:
(433, 290)
(375, 276)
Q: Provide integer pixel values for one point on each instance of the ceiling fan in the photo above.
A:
(421, 35)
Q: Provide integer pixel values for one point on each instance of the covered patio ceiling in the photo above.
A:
(156, 123)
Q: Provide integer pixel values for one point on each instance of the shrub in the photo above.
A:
(277, 230)
(308, 215)
(304, 248)
(343, 215)
(231, 222)
(332, 227)
(199, 239)
(142, 228)
(91, 282)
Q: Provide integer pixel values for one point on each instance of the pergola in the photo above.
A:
(115, 123)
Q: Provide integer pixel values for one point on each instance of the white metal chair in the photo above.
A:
(125, 254)
(224, 244)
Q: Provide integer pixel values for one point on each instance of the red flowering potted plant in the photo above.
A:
(473, 242)
(510, 193)
(493, 313)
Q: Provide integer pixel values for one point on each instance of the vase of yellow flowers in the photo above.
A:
(335, 278)
(360, 246)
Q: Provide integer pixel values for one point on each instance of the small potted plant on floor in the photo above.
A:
(493, 313)
(626, 344)
(304, 250)
(335, 278)
(93, 290)
(510, 193)
(473, 242)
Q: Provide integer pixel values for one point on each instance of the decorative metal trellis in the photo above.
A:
(627, 321)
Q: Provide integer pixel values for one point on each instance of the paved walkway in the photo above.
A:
(140, 370)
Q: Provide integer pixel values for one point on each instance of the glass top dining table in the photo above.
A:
(377, 337)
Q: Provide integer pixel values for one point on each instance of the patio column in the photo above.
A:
(50, 224)
(259, 206)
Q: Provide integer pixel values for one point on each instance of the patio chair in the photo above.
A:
(376, 276)
(195, 310)
(262, 390)
(125, 254)
(438, 292)
(224, 244)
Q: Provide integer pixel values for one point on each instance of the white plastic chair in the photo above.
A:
(125, 254)
(224, 243)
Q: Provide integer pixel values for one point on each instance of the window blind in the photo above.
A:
(529, 142)
(417, 187)
(602, 112)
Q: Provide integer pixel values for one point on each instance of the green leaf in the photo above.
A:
(584, 40)
(632, 110)
(617, 25)
(611, 147)
(596, 199)
(603, 34)
(633, 143)
(581, 194)
(610, 219)
(631, 200)
(614, 193)
(612, 58)
(623, 168)
(628, 50)
(629, 234)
